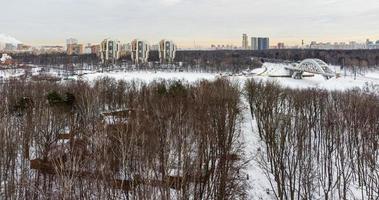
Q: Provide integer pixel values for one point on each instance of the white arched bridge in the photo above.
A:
(314, 66)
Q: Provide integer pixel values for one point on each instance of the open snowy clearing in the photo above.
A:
(346, 81)
(317, 81)
(148, 76)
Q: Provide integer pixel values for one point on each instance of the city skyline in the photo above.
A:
(190, 22)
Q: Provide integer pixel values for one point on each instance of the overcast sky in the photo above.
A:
(186, 21)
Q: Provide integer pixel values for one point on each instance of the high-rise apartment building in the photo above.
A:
(140, 51)
(254, 43)
(109, 51)
(167, 51)
(263, 43)
(245, 42)
(259, 43)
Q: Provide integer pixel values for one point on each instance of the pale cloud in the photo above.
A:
(170, 2)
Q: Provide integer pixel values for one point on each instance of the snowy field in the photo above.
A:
(264, 73)
(345, 81)
(260, 186)
(149, 76)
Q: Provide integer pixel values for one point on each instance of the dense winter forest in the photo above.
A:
(318, 144)
(121, 140)
(110, 139)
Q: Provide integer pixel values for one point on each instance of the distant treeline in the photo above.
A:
(55, 59)
(221, 59)
(348, 58)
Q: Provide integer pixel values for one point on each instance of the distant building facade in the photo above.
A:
(245, 41)
(23, 47)
(254, 43)
(139, 51)
(73, 47)
(95, 49)
(88, 49)
(280, 45)
(71, 41)
(223, 47)
(263, 43)
(167, 51)
(76, 49)
(10, 47)
(109, 50)
(259, 43)
(50, 49)
(372, 45)
(337, 45)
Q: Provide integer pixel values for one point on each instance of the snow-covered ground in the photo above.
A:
(148, 76)
(270, 70)
(260, 186)
(265, 74)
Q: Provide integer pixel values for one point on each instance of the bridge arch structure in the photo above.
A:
(314, 66)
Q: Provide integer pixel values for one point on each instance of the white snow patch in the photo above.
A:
(259, 185)
(5, 57)
(149, 76)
